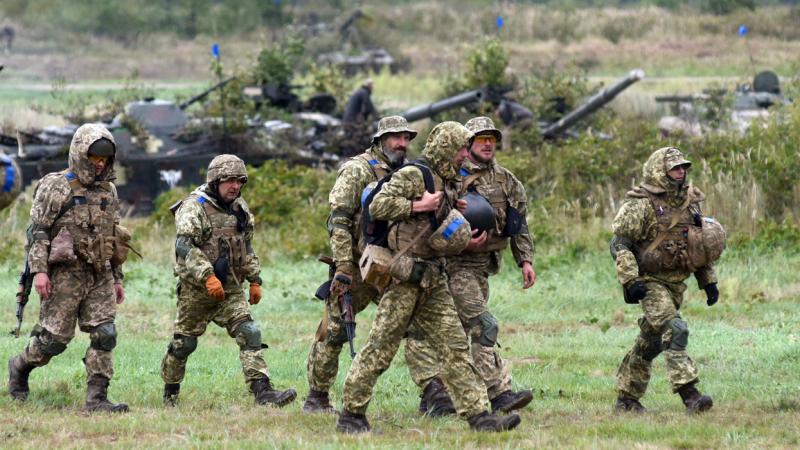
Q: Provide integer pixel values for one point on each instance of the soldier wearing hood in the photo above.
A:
(652, 246)
(214, 259)
(78, 273)
(388, 152)
(469, 271)
(423, 301)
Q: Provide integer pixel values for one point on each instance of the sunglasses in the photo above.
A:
(241, 180)
(97, 158)
(485, 139)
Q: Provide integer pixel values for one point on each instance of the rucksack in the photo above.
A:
(376, 232)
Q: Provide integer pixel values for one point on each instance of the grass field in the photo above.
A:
(564, 339)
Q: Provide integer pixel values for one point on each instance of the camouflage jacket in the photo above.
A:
(76, 199)
(344, 222)
(502, 189)
(636, 223)
(206, 231)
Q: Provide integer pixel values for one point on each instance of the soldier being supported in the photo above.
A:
(77, 262)
(215, 258)
(660, 238)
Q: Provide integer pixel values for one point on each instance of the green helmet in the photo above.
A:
(226, 166)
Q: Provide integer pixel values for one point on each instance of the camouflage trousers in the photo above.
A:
(660, 306)
(469, 285)
(79, 295)
(431, 311)
(323, 358)
(195, 310)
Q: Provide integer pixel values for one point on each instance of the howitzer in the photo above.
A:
(591, 105)
(205, 93)
(431, 109)
(23, 294)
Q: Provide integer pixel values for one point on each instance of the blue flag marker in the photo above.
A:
(742, 30)
(277, 3)
(499, 22)
(215, 50)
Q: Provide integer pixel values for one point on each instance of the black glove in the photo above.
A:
(636, 291)
(712, 293)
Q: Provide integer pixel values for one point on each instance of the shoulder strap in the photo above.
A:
(662, 234)
(430, 186)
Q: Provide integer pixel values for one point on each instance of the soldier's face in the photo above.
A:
(677, 173)
(483, 147)
(229, 189)
(99, 163)
(461, 155)
(395, 145)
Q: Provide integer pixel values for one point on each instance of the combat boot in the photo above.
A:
(171, 391)
(265, 394)
(695, 401)
(318, 402)
(628, 404)
(97, 396)
(486, 421)
(18, 372)
(352, 423)
(437, 400)
(423, 405)
(509, 400)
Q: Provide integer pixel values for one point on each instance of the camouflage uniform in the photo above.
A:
(344, 228)
(76, 212)
(10, 180)
(469, 271)
(639, 221)
(209, 230)
(426, 304)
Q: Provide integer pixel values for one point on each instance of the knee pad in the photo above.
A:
(49, 345)
(103, 337)
(680, 334)
(248, 336)
(489, 329)
(182, 346)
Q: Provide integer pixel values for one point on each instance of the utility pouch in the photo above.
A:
(122, 245)
(62, 248)
(374, 266)
(221, 267)
(514, 222)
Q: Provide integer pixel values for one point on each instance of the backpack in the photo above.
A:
(376, 232)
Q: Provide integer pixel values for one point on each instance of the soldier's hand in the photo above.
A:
(41, 281)
(119, 292)
(637, 290)
(528, 275)
(461, 205)
(478, 239)
(214, 288)
(712, 294)
(428, 202)
(255, 293)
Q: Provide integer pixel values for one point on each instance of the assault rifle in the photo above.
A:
(23, 293)
(345, 303)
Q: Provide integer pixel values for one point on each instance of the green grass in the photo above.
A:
(564, 339)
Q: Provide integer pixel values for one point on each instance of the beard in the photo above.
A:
(396, 157)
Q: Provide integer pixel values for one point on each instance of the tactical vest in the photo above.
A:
(378, 172)
(403, 232)
(498, 197)
(89, 218)
(670, 249)
(225, 239)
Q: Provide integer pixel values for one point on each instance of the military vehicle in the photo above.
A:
(697, 114)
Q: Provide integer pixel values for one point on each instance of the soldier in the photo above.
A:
(423, 299)
(653, 238)
(388, 152)
(78, 271)
(469, 271)
(10, 180)
(359, 106)
(214, 257)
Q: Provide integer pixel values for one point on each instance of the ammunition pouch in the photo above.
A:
(405, 268)
(122, 245)
(62, 248)
(96, 250)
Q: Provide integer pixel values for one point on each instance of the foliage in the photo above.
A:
(483, 65)
(277, 62)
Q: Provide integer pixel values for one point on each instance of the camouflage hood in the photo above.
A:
(655, 178)
(443, 143)
(79, 163)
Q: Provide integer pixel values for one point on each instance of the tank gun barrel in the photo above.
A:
(204, 94)
(591, 105)
(431, 109)
(688, 98)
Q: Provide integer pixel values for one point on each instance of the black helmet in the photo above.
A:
(479, 212)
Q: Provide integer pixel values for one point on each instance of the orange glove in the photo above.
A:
(255, 293)
(214, 288)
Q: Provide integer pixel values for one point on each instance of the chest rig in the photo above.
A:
(89, 218)
(492, 185)
(671, 248)
(225, 244)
